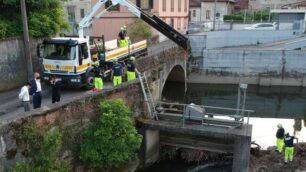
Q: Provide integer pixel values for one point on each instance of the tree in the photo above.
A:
(111, 139)
(45, 18)
(41, 148)
(262, 16)
(139, 30)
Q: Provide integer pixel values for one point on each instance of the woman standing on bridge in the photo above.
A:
(56, 89)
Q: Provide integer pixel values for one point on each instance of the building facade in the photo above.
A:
(203, 10)
(173, 12)
(76, 10)
(195, 11)
(270, 4)
(241, 5)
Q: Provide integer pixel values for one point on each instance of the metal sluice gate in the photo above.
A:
(203, 115)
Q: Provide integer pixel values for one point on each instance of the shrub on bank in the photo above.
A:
(111, 139)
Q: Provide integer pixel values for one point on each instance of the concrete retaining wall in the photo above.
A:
(252, 66)
(235, 38)
(13, 67)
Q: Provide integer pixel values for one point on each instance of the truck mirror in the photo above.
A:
(39, 50)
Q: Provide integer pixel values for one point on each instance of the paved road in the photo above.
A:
(10, 105)
(279, 45)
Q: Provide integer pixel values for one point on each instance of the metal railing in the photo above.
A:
(203, 114)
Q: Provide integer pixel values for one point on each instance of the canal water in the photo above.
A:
(272, 105)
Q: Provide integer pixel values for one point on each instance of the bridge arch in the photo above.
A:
(174, 84)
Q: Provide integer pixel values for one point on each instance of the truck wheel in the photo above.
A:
(90, 81)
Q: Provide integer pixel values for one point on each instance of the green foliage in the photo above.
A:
(45, 18)
(139, 30)
(262, 16)
(41, 148)
(233, 17)
(111, 139)
(249, 16)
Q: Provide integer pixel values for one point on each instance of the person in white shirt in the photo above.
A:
(24, 96)
(36, 90)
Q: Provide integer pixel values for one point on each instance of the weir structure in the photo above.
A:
(216, 129)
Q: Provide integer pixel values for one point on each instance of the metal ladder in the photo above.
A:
(147, 95)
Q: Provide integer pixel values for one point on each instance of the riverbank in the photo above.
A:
(272, 161)
(187, 160)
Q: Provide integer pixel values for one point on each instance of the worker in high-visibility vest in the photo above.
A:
(289, 147)
(97, 76)
(280, 137)
(131, 69)
(123, 41)
(117, 71)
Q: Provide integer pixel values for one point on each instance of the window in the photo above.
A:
(194, 13)
(179, 5)
(82, 12)
(113, 8)
(172, 22)
(138, 3)
(145, 4)
(164, 5)
(208, 14)
(71, 13)
(59, 52)
(185, 6)
(151, 4)
(172, 5)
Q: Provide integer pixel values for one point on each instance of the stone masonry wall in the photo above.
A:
(13, 65)
(162, 63)
(70, 116)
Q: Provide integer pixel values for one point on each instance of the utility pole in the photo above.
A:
(215, 10)
(26, 39)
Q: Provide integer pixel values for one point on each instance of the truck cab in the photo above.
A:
(69, 59)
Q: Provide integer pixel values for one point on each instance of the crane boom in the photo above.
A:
(153, 21)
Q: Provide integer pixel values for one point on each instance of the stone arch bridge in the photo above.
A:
(164, 62)
(161, 66)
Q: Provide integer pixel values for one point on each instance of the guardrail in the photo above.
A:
(210, 115)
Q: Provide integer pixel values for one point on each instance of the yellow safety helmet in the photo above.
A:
(122, 28)
(279, 125)
(132, 58)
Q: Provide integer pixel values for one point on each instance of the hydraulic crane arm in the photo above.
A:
(88, 19)
(156, 23)
(153, 21)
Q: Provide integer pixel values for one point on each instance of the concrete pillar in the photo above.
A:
(242, 148)
(151, 146)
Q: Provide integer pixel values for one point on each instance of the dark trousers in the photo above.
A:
(55, 98)
(36, 100)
